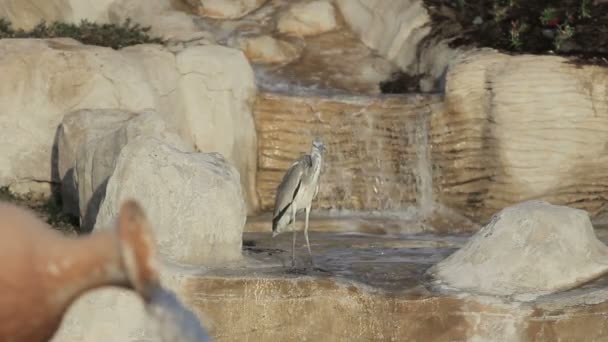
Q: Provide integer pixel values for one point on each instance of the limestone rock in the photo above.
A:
(528, 249)
(392, 27)
(27, 14)
(43, 79)
(401, 31)
(108, 314)
(518, 128)
(77, 129)
(163, 19)
(96, 157)
(269, 50)
(212, 108)
(225, 9)
(308, 18)
(335, 60)
(194, 199)
(115, 314)
(205, 92)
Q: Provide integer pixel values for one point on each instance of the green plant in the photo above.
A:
(115, 36)
(515, 34)
(548, 16)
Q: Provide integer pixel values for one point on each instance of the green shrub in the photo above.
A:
(108, 35)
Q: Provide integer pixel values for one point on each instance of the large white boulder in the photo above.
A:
(308, 18)
(194, 200)
(115, 314)
(529, 249)
(44, 79)
(108, 314)
(96, 158)
(212, 108)
(204, 92)
(77, 129)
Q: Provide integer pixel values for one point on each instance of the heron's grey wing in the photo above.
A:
(290, 184)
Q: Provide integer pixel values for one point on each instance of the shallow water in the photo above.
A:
(171, 321)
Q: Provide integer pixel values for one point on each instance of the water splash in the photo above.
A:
(424, 169)
(380, 162)
(172, 322)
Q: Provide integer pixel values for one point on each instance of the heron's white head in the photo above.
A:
(318, 145)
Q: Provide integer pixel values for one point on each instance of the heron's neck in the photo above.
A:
(315, 155)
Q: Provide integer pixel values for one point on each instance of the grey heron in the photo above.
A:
(296, 192)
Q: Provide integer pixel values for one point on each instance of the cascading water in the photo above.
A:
(387, 168)
(378, 156)
(423, 169)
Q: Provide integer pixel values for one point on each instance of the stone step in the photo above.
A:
(372, 288)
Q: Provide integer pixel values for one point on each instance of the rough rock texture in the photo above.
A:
(266, 49)
(164, 20)
(324, 309)
(225, 9)
(27, 14)
(76, 129)
(530, 249)
(204, 91)
(308, 18)
(256, 301)
(114, 314)
(400, 30)
(109, 314)
(518, 128)
(372, 147)
(43, 79)
(96, 157)
(219, 82)
(334, 60)
(194, 200)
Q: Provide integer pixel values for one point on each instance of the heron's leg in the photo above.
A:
(306, 234)
(293, 246)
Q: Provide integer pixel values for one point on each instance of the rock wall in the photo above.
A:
(402, 32)
(508, 129)
(328, 310)
(204, 92)
(518, 128)
(25, 14)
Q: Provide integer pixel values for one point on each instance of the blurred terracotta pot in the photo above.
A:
(42, 271)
